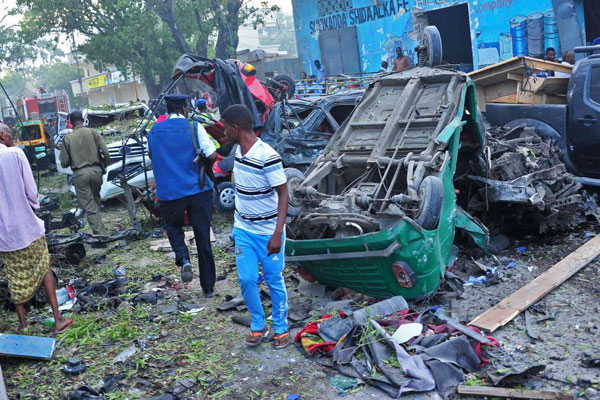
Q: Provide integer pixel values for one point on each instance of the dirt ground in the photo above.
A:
(204, 349)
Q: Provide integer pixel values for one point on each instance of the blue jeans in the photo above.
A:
(251, 248)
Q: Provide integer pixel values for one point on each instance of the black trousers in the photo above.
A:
(199, 209)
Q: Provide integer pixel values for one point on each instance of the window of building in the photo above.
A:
(328, 7)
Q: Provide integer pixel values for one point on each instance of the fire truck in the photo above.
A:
(43, 116)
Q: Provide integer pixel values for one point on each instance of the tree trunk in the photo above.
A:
(165, 10)
(202, 42)
(151, 86)
(227, 25)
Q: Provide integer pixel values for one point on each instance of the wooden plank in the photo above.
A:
(23, 346)
(514, 76)
(554, 85)
(480, 97)
(526, 97)
(513, 393)
(3, 394)
(501, 89)
(501, 71)
(513, 305)
(511, 99)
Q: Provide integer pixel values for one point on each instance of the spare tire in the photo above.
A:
(294, 179)
(433, 40)
(288, 83)
(431, 193)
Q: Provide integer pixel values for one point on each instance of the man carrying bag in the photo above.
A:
(181, 152)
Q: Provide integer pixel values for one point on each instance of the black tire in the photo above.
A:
(433, 40)
(294, 179)
(288, 82)
(74, 253)
(431, 193)
(224, 197)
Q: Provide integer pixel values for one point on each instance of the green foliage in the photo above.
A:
(138, 37)
(15, 85)
(282, 34)
(56, 77)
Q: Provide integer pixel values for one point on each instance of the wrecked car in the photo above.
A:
(300, 129)
(379, 205)
(527, 187)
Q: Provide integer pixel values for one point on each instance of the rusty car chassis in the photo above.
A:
(379, 205)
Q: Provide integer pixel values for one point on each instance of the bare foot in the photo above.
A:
(21, 329)
(62, 324)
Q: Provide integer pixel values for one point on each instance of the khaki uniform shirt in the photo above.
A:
(80, 149)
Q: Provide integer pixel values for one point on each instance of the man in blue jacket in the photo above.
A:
(174, 146)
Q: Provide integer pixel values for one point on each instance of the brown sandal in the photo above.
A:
(281, 341)
(255, 338)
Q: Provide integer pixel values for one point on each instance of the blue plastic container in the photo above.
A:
(551, 38)
(518, 31)
(535, 34)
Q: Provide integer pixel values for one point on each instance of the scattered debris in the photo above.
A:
(119, 270)
(358, 345)
(513, 305)
(529, 328)
(406, 332)
(590, 362)
(125, 354)
(515, 374)
(528, 185)
(244, 320)
(231, 304)
(441, 315)
(311, 288)
(74, 366)
(344, 385)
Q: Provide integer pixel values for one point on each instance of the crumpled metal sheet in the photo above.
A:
(527, 176)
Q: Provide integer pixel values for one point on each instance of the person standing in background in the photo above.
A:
(384, 67)
(82, 150)
(401, 62)
(568, 59)
(321, 74)
(550, 54)
(23, 246)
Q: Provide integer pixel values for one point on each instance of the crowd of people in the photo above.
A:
(178, 148)
(317, 83)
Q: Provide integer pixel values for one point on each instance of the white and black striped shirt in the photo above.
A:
(256, 173)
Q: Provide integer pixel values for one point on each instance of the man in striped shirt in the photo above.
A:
(261, 202)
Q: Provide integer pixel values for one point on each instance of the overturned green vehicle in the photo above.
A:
(380, 204)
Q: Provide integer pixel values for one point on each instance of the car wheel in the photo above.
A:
(431, 193)
(294, 179)
(287, 82)
(224, 196)
(433, 40)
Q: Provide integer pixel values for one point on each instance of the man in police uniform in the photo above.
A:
(81, 151)
(177, 167)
